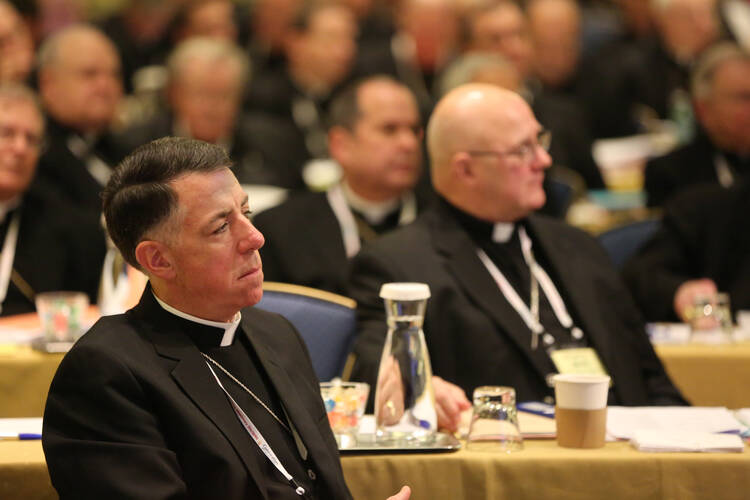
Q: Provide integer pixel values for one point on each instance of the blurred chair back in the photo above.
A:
(624, 241)
(326, 321)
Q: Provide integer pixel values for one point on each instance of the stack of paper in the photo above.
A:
(676, 428)
(676, 440)
(622, 422)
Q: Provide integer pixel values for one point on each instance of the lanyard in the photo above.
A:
(529, 314)
(258, 437)
(723, 171)
(8, 254)
(112, 296)
(343, 213)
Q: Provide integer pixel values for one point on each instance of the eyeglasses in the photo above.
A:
(8, 134)
(524, 153)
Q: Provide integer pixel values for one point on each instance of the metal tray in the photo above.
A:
(366, 443)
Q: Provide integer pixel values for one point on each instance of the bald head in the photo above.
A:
(485, 154)
(79, 78)
(460, 120)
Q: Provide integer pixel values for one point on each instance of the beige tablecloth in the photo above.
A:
(541, 471)
(710, 375)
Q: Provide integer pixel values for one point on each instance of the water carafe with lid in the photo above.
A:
(404, 398)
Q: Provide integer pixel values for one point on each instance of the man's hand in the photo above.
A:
(685, 296)
(389, 394)
(404, 494)
(450, 401)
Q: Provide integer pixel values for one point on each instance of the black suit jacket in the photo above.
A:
(134, 412)
(475, 337)
(297, 251)
(705, 233)
(686, 166)
(61, 171)
(58, 248)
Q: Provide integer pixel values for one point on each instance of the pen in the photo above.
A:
(25, 436)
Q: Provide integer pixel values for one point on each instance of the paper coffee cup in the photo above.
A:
(581, 410)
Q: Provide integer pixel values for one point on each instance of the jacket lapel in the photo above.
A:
(565, 265)
(192, 375)
(463, 263)
(302, 420)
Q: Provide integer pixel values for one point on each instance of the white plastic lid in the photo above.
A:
(405, 291)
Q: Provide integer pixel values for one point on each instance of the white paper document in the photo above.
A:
(14, 427)
(686, 441)
(623, 422)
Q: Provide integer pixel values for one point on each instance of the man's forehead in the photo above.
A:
(24, 109)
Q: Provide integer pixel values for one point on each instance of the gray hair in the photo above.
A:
(15, 92)
(207, 49)
(465, 68)
(702, 83)
(50, 48)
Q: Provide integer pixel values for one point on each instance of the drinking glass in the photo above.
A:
(494, 421)
(711, 319)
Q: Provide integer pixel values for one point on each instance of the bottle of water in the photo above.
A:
(404, 398)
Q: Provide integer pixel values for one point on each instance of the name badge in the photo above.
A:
(578, 360)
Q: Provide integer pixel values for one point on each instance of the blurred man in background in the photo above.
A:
(46, 246)
(374, 137)
(720, 151)
(81, 87)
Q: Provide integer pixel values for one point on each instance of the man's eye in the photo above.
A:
(248, 214)
(221, 228)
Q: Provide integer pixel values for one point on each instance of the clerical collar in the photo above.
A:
(374, 212)
(482, 230)
(8, 206)
(229, 328)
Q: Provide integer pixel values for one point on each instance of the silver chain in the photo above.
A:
(256, 398)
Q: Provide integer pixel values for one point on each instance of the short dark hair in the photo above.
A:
(139, 197)
(345, 106)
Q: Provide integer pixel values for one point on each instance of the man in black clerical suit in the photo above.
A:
(720, 151)
(80, 87)
(375, 137)
(49, 245)
(702, 246)
(485, 256)
(289, 104)
(206, 78)
(190, 394)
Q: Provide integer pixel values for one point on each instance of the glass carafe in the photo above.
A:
(404, 398)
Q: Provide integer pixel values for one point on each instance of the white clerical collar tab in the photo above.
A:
(502, 231)
(229, 328)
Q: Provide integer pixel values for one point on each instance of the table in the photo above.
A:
(710, 375)
(25, 374)
(542, 471)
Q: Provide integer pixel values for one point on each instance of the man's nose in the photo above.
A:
(542, 158)
(250, 238)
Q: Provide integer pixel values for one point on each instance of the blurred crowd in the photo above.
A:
(259, 78)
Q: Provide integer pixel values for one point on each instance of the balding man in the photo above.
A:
(80, 87)
(44, 244)
(515, 297)
(720, 151)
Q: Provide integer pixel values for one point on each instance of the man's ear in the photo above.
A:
(339, 140)
(155, 258)
(462, 167)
